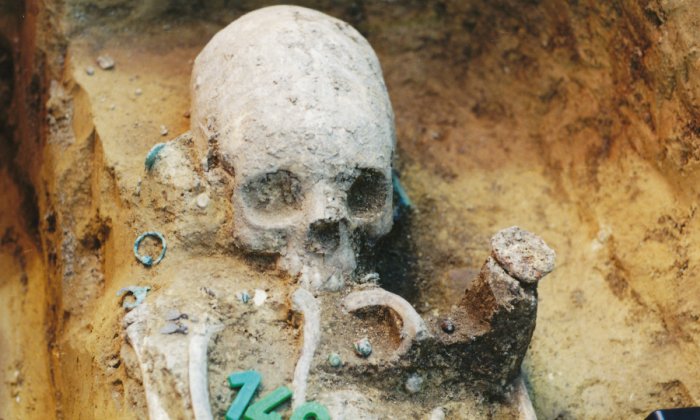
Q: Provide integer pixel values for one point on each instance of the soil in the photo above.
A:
(575, 120)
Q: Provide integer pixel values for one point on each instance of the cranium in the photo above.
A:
(292, 103)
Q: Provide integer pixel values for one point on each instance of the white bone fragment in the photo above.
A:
(259, 297)
(413, 327)
(305, 303)
(198, 369)
(522, 399)
(134, 322)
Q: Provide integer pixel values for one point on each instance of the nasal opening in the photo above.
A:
(323, 236)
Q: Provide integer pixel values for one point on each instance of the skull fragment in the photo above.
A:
(292, 103)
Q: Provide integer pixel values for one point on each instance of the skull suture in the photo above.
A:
(292, 102)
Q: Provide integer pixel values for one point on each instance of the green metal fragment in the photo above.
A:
(152, 156)
(138, 292)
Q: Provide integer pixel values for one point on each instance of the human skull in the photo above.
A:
(293, 104)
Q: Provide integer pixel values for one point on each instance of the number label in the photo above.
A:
(248, 381)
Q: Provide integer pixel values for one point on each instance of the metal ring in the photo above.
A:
(147, 260)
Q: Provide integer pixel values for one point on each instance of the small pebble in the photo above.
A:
(105, 62)
(334, 360)
(363, 347)
(89, 70)
(447, 326)
(259, 297)
(414, 383)
(163, 130)
(172, 315)
(437, 414)
(138, 92)
(202, 200)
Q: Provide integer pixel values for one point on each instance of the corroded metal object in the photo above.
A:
(138, 292)
(482, 343)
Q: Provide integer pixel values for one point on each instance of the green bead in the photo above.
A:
(363, 347)
(311, 410)
(334, 360)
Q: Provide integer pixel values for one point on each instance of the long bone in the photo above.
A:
(134, 322)
(413, 328)
(305, 303)
(198, 370)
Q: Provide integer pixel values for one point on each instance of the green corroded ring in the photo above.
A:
(147, 260)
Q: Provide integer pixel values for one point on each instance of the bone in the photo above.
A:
(413, 329)
(521, 399)
(198, 369)
(307, 89)
(305, 303)
(134, 322)
(180, 359)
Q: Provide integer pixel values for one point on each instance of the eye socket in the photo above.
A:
(367, 194)
(273, 192)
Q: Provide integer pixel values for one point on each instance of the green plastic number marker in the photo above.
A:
(248, 381)
(311, 410)
(261, 409)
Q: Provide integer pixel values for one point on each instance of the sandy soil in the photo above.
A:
(575, 120)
